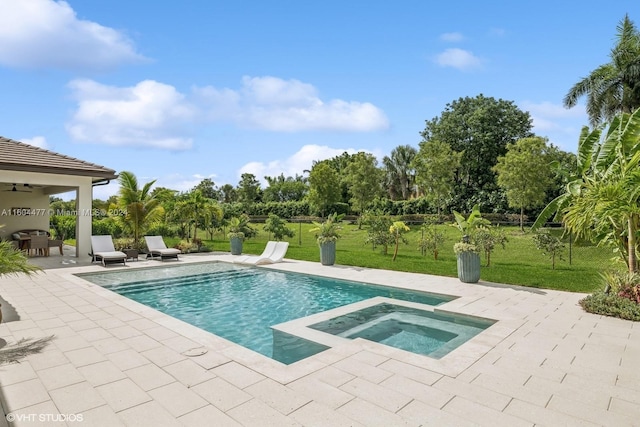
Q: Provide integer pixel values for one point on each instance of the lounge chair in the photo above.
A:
(276, 255)
(268, 251)
(102, 250)
(157, 248)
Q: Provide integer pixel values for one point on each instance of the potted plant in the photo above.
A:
(468, 262)
(327, 234)
(236, 235)
(467, 253)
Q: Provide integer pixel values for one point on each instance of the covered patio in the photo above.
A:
(30, 175)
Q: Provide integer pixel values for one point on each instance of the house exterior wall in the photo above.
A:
(37, 199)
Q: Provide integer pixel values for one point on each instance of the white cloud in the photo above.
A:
(560, 124)
(452, 37)
(154, 114)
(174, 181)
(549, 116)
(46, 33)
(458, 58)
(274, 104)
(295, 164)
(37, 141)
(180, 182)
(149, 114)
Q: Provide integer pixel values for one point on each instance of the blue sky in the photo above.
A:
(181, 91)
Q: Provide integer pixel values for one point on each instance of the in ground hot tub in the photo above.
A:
(410, 329)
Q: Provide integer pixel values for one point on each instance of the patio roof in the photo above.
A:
(18, 156)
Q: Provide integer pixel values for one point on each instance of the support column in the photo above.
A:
(84, 198)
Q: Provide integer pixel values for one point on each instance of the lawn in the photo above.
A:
(520, 263)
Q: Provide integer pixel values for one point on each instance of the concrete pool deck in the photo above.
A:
(115, 362)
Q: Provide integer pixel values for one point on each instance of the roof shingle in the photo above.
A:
(18, 156)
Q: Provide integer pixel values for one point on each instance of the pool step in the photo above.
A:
(215, 277)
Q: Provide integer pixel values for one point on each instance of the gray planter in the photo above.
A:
(328, 253)
(236, 245)
(469, 267)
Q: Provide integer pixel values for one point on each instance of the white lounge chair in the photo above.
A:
(157, 248)
(268, 251)
(102, 250)
(277, 255)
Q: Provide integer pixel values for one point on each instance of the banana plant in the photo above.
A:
(602, 202)
(467, 225)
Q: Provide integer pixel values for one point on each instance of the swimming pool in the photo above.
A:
(242, 303)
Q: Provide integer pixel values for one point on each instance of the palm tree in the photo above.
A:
(141, 207)
(399, 174)
(614, 87)
(602, 202)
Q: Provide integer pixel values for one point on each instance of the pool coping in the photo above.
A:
(452, 364)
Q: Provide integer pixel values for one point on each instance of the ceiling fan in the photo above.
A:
(16, 190)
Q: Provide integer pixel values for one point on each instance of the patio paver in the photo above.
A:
(545, 362)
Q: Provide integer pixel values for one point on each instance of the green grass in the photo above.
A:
(520, 263)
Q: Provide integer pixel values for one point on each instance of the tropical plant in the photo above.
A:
(397, 229)
(140, 206)
(468, 225)
(399, 173)
(276, 226)
(430, 240)
(329, 230)
(239, 227)
(614, 87)
(550, 245)
(623, 284)
(13, 261)
(602, 202)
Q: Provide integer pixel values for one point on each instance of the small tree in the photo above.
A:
(487, 238)
(550, 245)
(378, 232)
(397, 229)
(431, 240)
(524, 174)
(324, 187)
(276, 226)
(363, 179)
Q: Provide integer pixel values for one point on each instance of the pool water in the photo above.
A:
(241, 303)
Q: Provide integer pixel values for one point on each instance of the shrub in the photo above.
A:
(623, 284)
(125, 243)
(611, 305)
(164, 230)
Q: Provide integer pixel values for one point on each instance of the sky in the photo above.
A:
(182, 91)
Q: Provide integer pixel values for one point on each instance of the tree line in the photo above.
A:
(478, 151)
